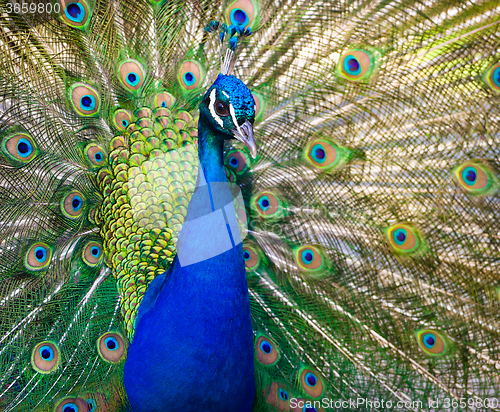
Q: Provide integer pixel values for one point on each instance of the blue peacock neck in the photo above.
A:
(210, 153)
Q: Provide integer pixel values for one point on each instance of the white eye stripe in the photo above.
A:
(233, 116)
(212, 109)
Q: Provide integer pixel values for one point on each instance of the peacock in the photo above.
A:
(249, 205)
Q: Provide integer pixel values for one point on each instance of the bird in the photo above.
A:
(249, 205)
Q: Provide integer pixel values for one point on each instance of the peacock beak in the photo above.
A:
(244, 134)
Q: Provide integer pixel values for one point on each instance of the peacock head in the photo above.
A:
(228, 108)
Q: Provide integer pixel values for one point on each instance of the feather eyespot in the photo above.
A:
(46, 357)
(476, 178)
(325, 155)
(92, 253)
(242, 13)
(311, 382)
(492, 77)
(267, 204)
(112, 347)
(73, 205)
(260, 106)
(190, 75)
(238, 161)
(266, 351)
(356, 65)
(310, 258)
(432, 343)
(122, 119)
(251, 257)
(404, 238)
(19, 147)
(71, 404)
(278, 396)
(75, 13)
(164, 99)
(131, 74)
(95, 154)
(38, 256)
(84, 99)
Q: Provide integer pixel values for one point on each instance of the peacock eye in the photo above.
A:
(221, 108)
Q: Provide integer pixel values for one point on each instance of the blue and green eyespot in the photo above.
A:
(95, 155)
(112, 347)
(325, 155)
(75, 14)
(476, 178)
(84, 99)
(92, 253)
(432, 342)
(266, 350)
(38, 256)
(131, 74)
(73, 404)
(404, 239)
(190, 75)
(311, 382)
(46, 357)
(357, 65)
(243, 13)
(251, 256)
(73, 204)
(19, 147)
(268, 204)
(311, 260)
(122, 119)
(237, 161)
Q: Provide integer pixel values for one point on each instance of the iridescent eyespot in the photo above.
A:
(243, 13)
(92, 253)
(260, 106)
(46, 357)
(73, 205)
(95, 154)
(404, 238)
(84, 99)
(251, 257)
(131, 74)
(266, 351)
(325, 155)
(74, 13)
(19, 147)
(356, 65)
(190, 75)
(267, 205)
(476, 178)
(310, 258)
(72, 404)
(164, 99)
(492, 77)
(238, 161)
(112, 347)
(432, 342)
(122, 119)
(38, 256)
(312, 382)
(278, 396)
